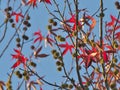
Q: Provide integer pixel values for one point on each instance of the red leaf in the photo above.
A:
(32, 2)
(17, 15)
(46, 1)
(16, 64)
(39, 36)
(67, 47)
(19, 57)
(105, 57)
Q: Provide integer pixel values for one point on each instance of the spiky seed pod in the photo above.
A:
(8, 15)
(58, 63)
(29, 25)
(53, 51)
(18, 40)
(11, 20)
(6, 20)
(24, 73)
(62, 39)
(70, 86)
(26, 77)
(65, 86)
(25, 22)
(49, 27)
(56, 54)
(25, 37)
(112, 65)
(58, 37)
(115, 44)
(32, 47)
(74, 55)
(116, 71)
(96, 69)
(9, 8)
(113, 85)
(54, 23)
(18, 45)
(20, 76)
(27, 17)
(17, 73)
(117, 3)
(51, 20)
(6, 9)
(60, 58)
(8, 83)
(32, 64)
(102, 15)
(59, 68)
(25, 28)
(13, 25)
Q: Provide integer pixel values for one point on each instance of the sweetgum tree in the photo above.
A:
(79, 49)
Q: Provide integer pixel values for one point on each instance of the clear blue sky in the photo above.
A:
(39, 19)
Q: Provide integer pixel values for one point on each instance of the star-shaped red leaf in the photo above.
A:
(17, 15)
(32, 2)
(19, 57)
(67, 47)
(39, 36)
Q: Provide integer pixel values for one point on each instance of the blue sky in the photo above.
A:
(39, 19)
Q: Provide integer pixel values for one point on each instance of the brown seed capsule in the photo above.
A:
(25, 37)
(117, 3)
(25, 28)
(27, 17)
(17, 39)
(49, 27)
(32, 64)
(32, 47)
(13, 25)
(53, 51)
(26, 77)
(18, 45)
(17, 73)
(20, 76)
(25, 22)
(118, 7)
(9, 8)
(8, 15)
(11, 20)
(58, 63)
(51, 20)
(70, 86)
(54, 23)
(59, 68)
